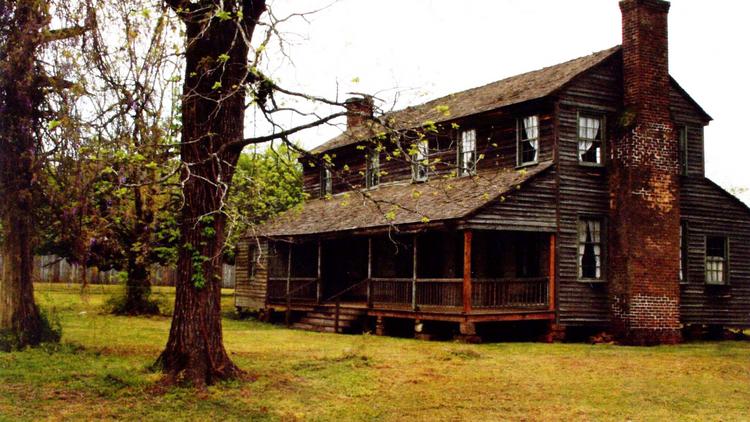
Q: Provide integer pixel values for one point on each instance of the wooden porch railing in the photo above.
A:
(510, 293)
(296, 288)
(399, 292)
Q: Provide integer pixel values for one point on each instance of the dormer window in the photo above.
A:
(590, 139)
(528, 140)
(372, 175)
(467, 153)
(419, 161)
(326, 182)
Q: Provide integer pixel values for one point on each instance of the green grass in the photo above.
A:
(101, 372)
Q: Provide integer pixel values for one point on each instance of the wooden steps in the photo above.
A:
(323, 319)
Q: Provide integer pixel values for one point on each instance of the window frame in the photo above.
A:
(461, 169)
(602, 130)
(423, 153)
(684, 276)
(519, 148)
(683, 136)
(326, 182)
(602, 248)
(372, 168)
(726, 270)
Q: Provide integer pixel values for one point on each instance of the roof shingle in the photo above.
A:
(514, 90)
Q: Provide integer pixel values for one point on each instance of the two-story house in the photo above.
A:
(573, 195)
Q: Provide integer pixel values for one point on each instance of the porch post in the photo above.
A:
(369, 272)
(552, 281)
(467, 271)
(318, 284)
(414, 274)
(288, 314)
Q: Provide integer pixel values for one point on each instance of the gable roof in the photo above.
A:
(514, 90)
(400, 203)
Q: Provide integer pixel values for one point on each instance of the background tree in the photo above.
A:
(25, 85)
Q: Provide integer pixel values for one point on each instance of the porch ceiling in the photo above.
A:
(398, 204)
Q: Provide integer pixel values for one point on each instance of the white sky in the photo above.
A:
(424, 49)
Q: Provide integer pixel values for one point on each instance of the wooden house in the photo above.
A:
(573, 195)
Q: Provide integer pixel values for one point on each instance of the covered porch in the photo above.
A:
(448, 275)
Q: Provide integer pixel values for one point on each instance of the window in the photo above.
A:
(590, 249)
(683, 252)
(590, 139)
(326, 182)
(682, 149)
(467, 153)
(419, 161)
(528, 140)
(372, 176)
(717, 261)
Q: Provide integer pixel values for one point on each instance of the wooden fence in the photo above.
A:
(52, 269)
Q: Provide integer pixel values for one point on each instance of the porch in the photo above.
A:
(460, 276)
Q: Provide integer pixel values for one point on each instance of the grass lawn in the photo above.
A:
(101, 372)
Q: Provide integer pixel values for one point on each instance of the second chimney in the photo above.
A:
(358, 110)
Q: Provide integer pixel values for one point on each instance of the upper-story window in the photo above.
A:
(528, 140)
(590, 249)
(326, 182)
(419, 161)
(682, 149)
(372, 175)
(590, 139)
(467, 153)
(717, 260)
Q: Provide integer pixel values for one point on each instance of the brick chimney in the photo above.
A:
(644, 186)
(358, 110)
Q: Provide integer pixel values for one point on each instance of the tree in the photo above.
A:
(218, 75)
(24, 86)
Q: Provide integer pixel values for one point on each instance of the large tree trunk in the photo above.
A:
(213, 110)
(20, 98)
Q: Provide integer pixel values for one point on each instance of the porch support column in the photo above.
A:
(414, 274)
(467, 271)
(552, 272)
(319, 283)
(369, 272)
(288, 314)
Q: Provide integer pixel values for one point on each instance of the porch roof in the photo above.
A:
(442, 198)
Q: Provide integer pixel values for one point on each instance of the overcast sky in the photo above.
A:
(423, 49)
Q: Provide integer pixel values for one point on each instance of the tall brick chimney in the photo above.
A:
(644, 186)
(358, 110)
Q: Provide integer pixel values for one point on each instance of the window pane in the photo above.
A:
(590, 139)
(589, 249)
(716, 259)
(467, 152)
(528, 138)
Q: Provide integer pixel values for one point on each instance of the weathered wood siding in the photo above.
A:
(708, 210)
(685, 114)
(496, 137)
(584, 190)
(531, 208)
(251, 278)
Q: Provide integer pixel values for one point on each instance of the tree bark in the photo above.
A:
(20, 97)
(213, 110)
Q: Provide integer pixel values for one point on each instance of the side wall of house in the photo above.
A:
(584, 190)
(708, 211)
(251, 278)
